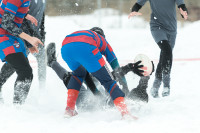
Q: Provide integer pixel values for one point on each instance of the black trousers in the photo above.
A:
(164, 66)
(18, 63)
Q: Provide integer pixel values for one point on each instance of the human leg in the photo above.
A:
(5, 73)
(24, 76)
(41, 60)
(74, 87)
(113, 89)
(166, 65)
(158, 78)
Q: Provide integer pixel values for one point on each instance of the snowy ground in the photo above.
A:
(179, 113)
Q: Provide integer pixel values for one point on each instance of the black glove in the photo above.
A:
(184, 8)
(134, 67)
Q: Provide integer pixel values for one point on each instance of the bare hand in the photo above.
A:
(184, 13)
(32, 19)
(33, 49)
(35, 41)
(134, 14)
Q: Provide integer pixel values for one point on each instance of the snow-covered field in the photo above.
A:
(179, 113)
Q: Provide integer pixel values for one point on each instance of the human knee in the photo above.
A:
(109, 84)
(165, 47)
(25, 73)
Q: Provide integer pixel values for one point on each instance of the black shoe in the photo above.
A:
(166, 91)
(51, 53)
(154, 92)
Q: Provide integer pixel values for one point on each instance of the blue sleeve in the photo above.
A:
(109, 54)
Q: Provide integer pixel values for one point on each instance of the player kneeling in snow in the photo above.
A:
(82, 51)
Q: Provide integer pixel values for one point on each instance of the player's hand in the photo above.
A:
(33, 50)
(35, 41)
(32, 19)
(184, 13)
(134, 14)
(135, 67)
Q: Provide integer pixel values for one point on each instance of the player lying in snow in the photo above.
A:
(139, 93)
(76, 51)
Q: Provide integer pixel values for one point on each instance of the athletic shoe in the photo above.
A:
(70, 113)
(51, 53)
(166, 91)
(154, 92)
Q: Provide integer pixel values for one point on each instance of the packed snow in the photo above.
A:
(44, 108)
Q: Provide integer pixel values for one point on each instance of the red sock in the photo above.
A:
(71, 98)
(121, 106)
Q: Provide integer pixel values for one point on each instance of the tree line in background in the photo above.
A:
(69, 7)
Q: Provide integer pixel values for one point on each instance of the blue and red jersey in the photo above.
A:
(92, 38)
(19, 8)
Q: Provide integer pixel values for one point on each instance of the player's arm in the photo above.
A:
(8, 24)
(136, 7)
(32, 19)
(112, 59)
(182, 8)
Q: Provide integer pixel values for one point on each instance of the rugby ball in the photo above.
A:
(146, 62)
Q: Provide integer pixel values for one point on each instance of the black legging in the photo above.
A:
(19, 63)
(164, 66)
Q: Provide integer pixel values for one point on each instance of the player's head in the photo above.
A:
(98, 30)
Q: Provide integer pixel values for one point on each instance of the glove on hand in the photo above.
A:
(134, 67)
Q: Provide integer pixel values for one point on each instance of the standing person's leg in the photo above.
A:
(41, 60)
(24, 76)
(158, 77)
(166, 65)
(5, 73)
(159, 34)
(167, 71)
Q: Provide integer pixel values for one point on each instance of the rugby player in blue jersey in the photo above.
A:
(12, 49)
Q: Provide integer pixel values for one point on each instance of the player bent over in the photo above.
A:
(82, 51)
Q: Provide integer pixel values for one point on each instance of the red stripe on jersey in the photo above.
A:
(82, 38)
(111, 50)
(18, 20)
(10, 10)
(95, 51)
(97, 38)
(102, 61)
(1, 11)
(83, 31)
(4, 32)
(17, 3)
(104, 45)
(9, 50)
(4, 38)
(23, 10)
